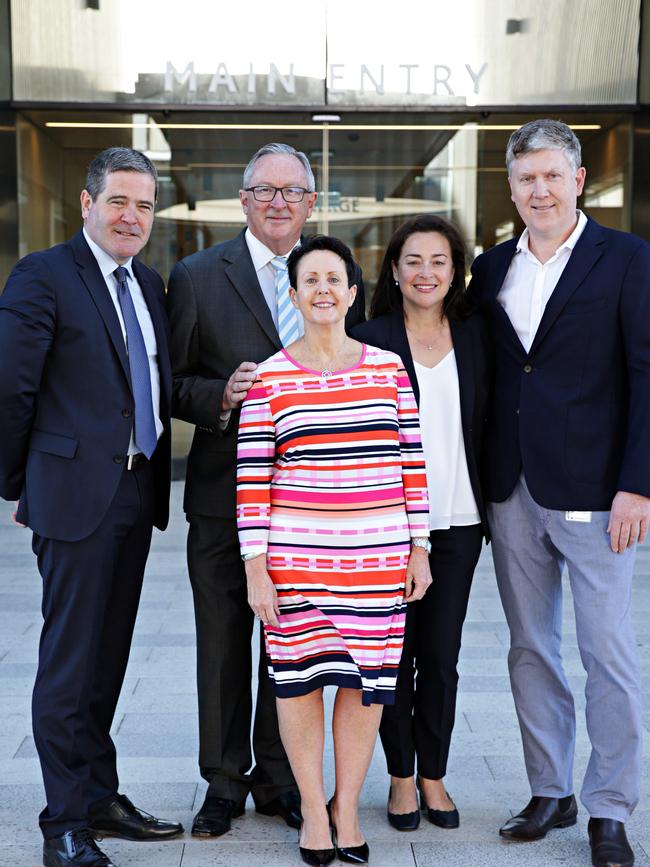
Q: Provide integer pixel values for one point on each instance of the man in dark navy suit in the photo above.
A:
(568, 477)
(85, 388)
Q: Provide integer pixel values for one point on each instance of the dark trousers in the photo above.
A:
(420, 723)
(224, 629)
(91, 590)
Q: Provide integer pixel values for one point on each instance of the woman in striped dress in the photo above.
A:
(332, 512)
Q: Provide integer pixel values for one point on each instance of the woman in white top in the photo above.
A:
(421, 312)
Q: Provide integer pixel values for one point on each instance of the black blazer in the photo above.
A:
(472, 352)
(66, 405)
(574, 412)
(219, 318)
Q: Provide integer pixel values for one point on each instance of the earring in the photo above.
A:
(397, 283)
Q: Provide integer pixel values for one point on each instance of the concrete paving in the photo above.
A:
(156, 733)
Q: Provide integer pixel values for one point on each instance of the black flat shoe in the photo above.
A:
(538, 817)
(402, 821)
(447, 819)
(286, 805)
(349, 854)
(120, 818)
(215, 816)
(609, 844)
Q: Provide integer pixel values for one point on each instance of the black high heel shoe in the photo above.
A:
(317, 857)
(350, 854)
(402, 821)
(447, 819)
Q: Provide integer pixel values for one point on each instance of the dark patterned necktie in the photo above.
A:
(145, 425)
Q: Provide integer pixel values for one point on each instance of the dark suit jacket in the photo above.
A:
(66, 407)
(473, 361)
(219, 318)
(574, 412)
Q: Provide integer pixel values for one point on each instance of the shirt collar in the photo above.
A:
(260, 253)
(569, 244)
(107, 264)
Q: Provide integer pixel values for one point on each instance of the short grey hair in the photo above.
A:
(278, 148)
(117, 160)
(544, 134)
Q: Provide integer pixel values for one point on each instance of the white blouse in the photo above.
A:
(451, 500)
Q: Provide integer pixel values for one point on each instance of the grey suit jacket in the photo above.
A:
(219, 318)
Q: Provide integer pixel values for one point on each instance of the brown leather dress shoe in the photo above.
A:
(539, 816)
(609, 845)
(120, 818)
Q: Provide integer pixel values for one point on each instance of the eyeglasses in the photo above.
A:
(267, 194)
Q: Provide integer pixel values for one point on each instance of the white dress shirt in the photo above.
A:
(529, 284)
(262, 256)
(107, 266)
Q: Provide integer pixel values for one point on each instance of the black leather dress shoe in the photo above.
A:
(74, 847)
(609, 845)
(539, 816)
(402, 821)
(215, 816)
(440, 818)
(120, 818)
(286, 805)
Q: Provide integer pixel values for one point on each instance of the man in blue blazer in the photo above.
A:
(85, 390)
(568, 480)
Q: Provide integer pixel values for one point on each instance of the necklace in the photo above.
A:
(336, 362)
(428, 346)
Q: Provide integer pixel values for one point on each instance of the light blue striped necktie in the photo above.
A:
(287, 313)
(145, 425)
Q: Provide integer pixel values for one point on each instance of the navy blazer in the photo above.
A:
(66, 405)
(574, 412)
(472, 352)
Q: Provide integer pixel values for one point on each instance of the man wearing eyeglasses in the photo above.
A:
(229, 310)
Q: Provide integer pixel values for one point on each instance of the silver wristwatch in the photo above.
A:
(251, 556)
(421, 542)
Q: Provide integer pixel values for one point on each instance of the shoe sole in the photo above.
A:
(565, 823)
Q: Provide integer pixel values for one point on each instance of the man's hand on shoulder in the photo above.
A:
(628, 520)
(237, 386)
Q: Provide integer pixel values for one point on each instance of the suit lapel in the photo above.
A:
(464, 354)
(583, 258)
(398, 341)
(241, 273)
(96, 286)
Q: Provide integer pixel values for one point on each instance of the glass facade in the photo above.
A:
(394, 121)
(377, 169)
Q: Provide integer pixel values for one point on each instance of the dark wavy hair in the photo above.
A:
(321, 242)
(388, 295)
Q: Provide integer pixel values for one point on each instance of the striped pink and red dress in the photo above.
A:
(331, 485)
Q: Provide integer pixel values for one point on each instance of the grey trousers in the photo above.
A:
(530, 546)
